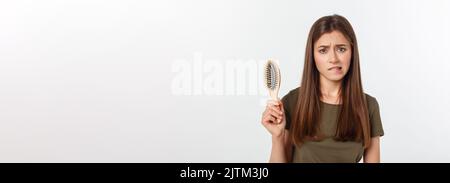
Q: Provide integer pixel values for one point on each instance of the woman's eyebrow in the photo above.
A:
(327, 46)
(342, 44)
(324, 46)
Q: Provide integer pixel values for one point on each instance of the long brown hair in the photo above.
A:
(353, 120)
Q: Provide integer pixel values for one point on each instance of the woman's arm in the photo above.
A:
(281, 148)
(372, 153)
(274, 120)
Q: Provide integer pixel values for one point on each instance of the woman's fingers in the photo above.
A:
(268, 120)
(273, 116)
(277, 108)
(268, 117)
(276, 103)
(273, 102)
(281, 105)
(274, 112)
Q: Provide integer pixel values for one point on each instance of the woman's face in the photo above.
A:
(332, 55)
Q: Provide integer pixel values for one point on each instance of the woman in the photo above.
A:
(329, 118)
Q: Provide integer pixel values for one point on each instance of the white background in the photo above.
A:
(91, 80)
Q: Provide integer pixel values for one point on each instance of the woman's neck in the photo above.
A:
(330, 91)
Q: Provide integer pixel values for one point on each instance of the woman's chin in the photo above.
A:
(335, 78)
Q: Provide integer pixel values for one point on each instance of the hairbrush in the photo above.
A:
(272, 78)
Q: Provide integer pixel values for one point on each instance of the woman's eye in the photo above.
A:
(342, 50)
(322, 51)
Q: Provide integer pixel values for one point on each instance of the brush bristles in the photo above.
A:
(272, 76)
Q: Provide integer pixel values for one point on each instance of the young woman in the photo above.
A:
(328, 118)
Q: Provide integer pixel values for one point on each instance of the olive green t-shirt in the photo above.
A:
(329, 150)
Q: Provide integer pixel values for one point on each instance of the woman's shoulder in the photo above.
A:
(289, 100)
(372, 103)
(292, 94)
(374, 116)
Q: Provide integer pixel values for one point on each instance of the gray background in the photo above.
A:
(92, 80)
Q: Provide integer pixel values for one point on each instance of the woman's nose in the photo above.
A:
(333, 57)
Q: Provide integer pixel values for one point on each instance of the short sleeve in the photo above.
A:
(289, 101)
(376, 127)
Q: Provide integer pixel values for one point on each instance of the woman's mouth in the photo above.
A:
(337, 68)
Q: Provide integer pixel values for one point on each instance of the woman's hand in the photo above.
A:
(274, 119)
